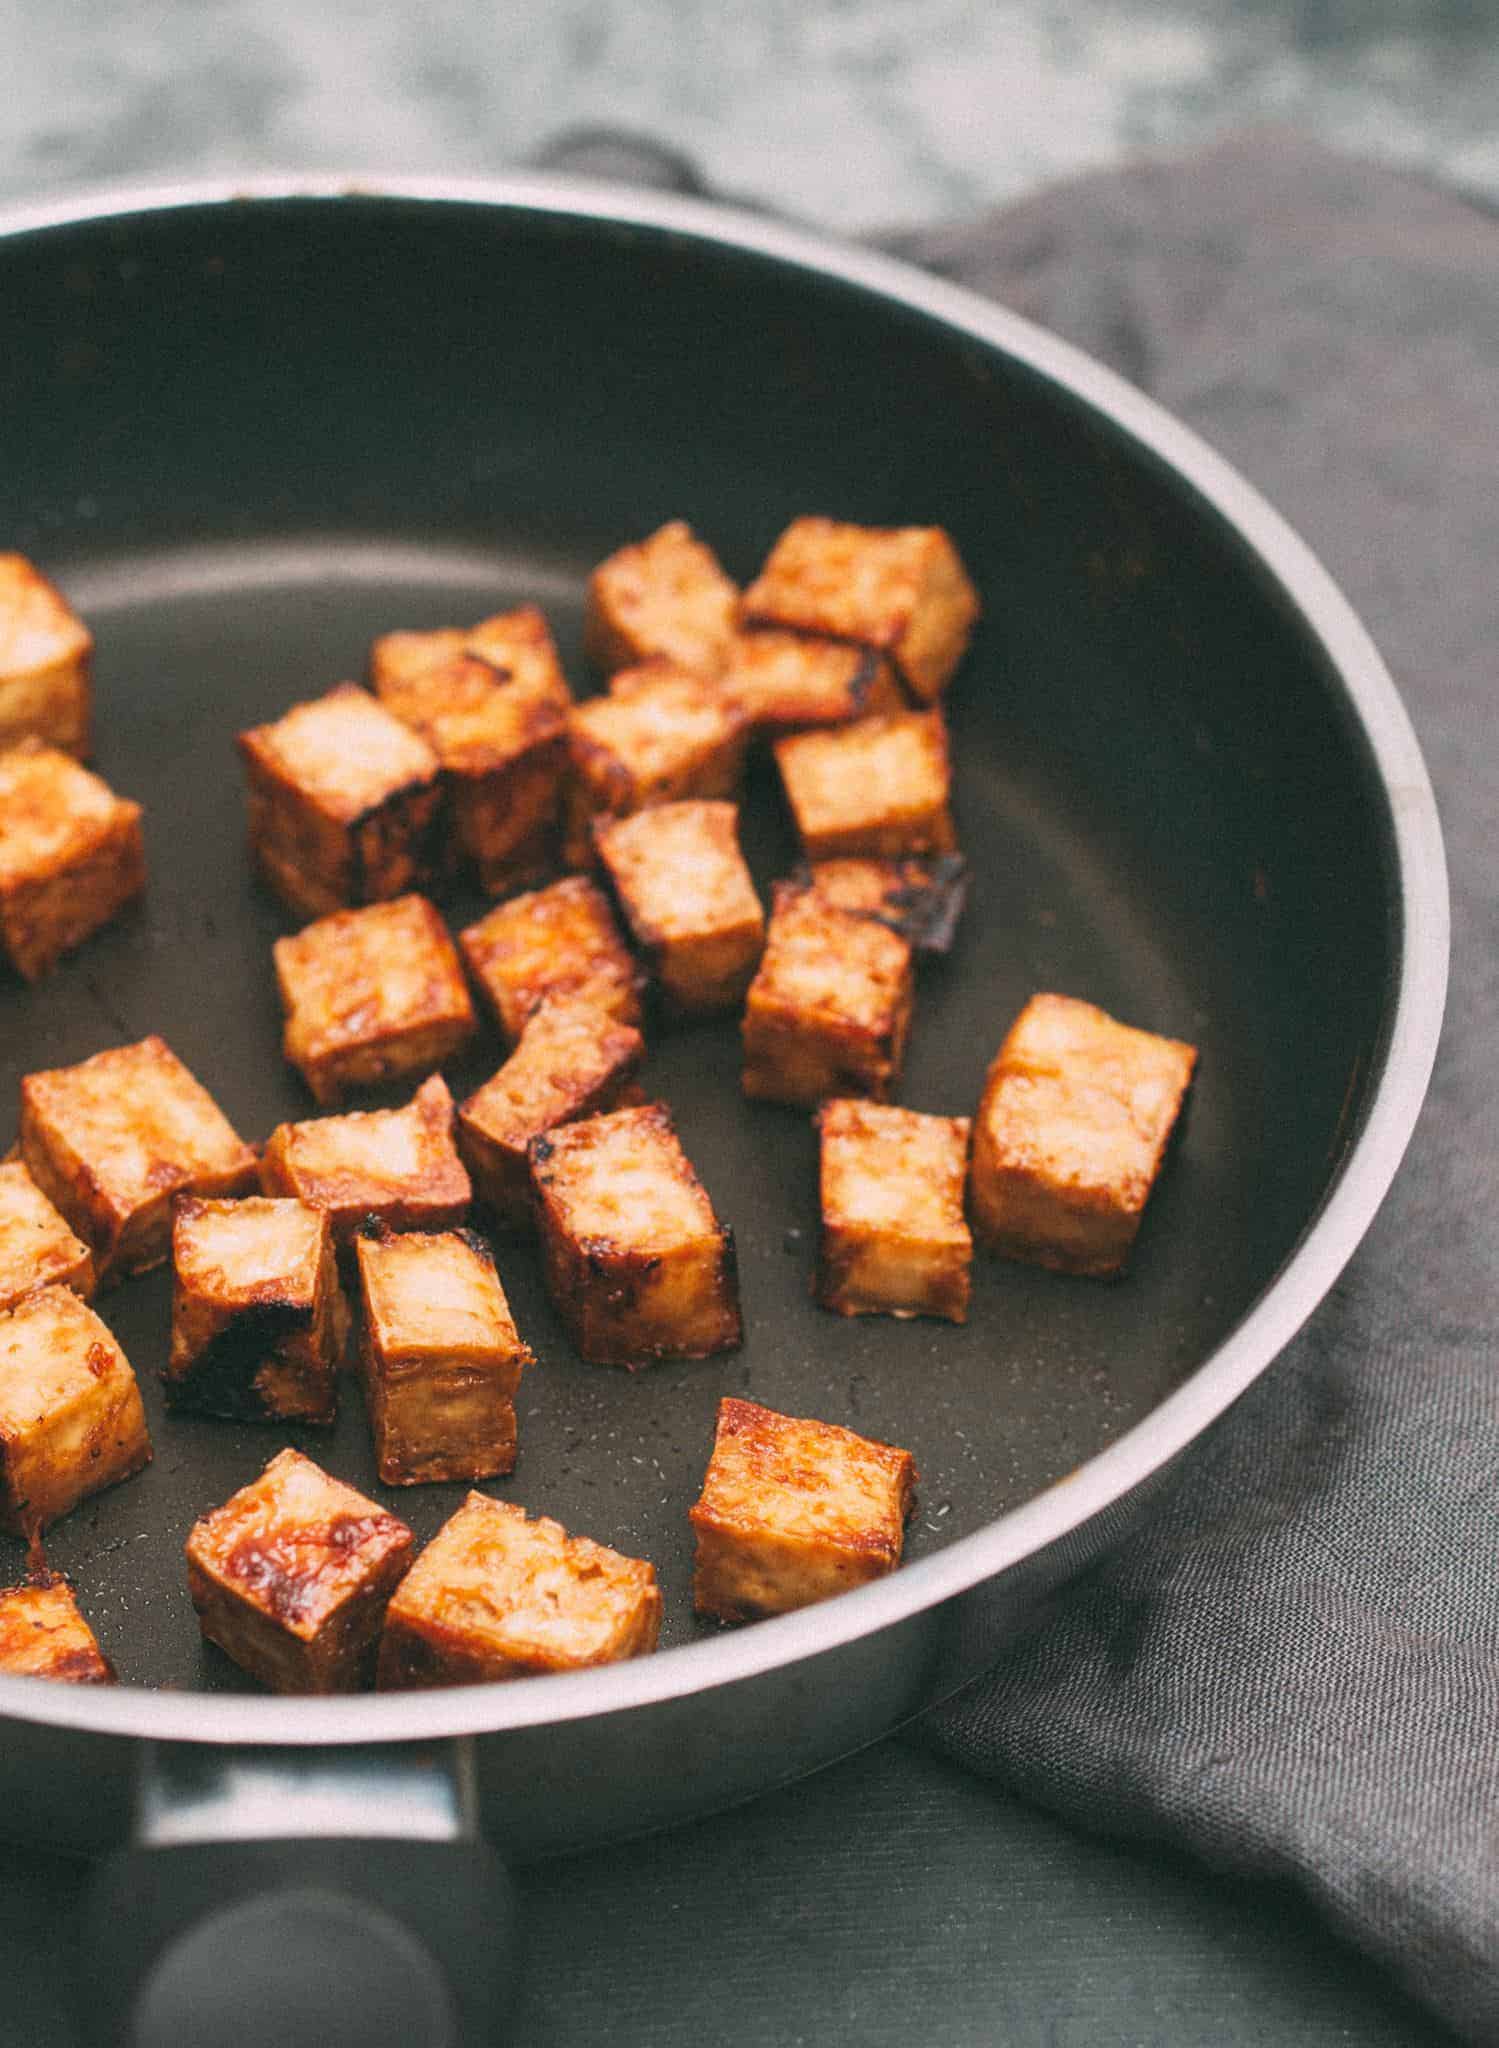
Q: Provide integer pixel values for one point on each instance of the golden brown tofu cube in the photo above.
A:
(46, 657)
(111, 1140)
(1075, 1116)
(343, 802)
(518, 645)
(258, 1322)
(43, 1635)
(573, 1060)
(663, 595)
(559, 941)
(687, 897)
(880, 786)
(636, 1262)
(71, 855)
(292, 1574)
(894, 1241)
(398, 1167)
(372, 995)
(503, 750)
(785, 682)
(71, 1421)
(37, 1249)
(793, 1511)
(661, 735)
(440, 1356)
(902, 590)
(829, 1011)
(921, 899)
(496, 1595)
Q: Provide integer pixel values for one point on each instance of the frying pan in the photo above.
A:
(248, 428)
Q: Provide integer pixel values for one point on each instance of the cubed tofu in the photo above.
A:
(343, 802)
(372, 995)
(46, 660)
(258, 1320)
(921, 899)
(663, 595)
(901, 590)
(829, 1011)
(496, 1595)
(785, 682)
(503, 750)
(37, 1249)
(661, 735)
(71, 1421)
(113, 1139)
(71, 855)
(894, 1241)
(399, 1167)
(517, 644)
(880, 786)
(44, 1635)
(291, 1576)
(440, 1356)
(793, 1511)
(573, 1060)
(1074, 1121)
(636, 1262)
(559, 941)
(680, 879)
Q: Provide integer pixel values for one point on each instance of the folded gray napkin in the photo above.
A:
(1294, 1669)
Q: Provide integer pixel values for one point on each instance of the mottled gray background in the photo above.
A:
(853, 113)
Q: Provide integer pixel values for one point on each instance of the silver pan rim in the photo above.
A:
(1414, 1016)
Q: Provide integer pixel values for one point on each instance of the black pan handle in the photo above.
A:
(302, 1899)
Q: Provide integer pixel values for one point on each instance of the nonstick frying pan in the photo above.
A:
(246, 430)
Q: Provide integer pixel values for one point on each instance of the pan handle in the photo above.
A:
(302, 1899)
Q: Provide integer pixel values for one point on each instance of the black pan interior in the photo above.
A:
(247, 438)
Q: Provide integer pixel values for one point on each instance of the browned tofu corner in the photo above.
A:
(894, 1240)
(397, 1166)
(46, 661)
(686, 893)
(497, 1595)
(559, 941)
(71, 1420)
(793, 1511)
(879, 787)
(71, 856)
(291, 1576)
(43, 1634)
(665, 595)
(36, 1246)
(1076, 1114)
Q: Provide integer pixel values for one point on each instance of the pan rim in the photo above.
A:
(1414, 1016)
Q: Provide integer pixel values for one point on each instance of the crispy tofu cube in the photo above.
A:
(636, 1262)
(793, 1511)
(496, 1595)
(440, 1356)
(1074, 1121)
(901, 590)
(785, 682)
(258, 1321)
(292, 1574)
(37, 1249)
(503, 750)
(687, 897)
(880, 786)
(344, 802)
(111, 1140)
(559, 941)
(573, 1060)
(894, 1241)
(664, 595)
(518, 645)
(71, 1421)
(661, 735)
(71, 855)
(372, 995)
(398, 1167)
(829, 1011)
(44, 1635)
(921, 899)
(46, 660)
